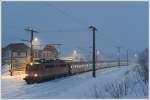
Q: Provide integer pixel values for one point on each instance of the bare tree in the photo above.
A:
(143, 62)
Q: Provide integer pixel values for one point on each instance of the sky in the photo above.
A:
(122, 24)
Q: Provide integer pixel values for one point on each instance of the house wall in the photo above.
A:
(19, 60)
(43, 54)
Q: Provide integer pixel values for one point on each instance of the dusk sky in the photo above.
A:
(122, 24)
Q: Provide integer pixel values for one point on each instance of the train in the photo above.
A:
(44, 70)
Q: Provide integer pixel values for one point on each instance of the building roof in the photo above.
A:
(19, 47)
(49, 47)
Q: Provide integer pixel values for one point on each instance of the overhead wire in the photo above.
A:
(75, 19)
(64, 13)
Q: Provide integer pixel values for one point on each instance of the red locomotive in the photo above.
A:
(46, 70)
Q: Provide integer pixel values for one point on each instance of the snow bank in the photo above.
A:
(124, 84)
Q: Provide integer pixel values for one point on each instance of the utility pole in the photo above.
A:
(31, 42)
(118, 54)
(127, 57)
(93, 30)
(11, 67)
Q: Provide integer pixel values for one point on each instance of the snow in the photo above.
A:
(77, 86)
(6, 73)
(5, 69)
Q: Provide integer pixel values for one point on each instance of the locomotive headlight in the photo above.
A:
(35, 75)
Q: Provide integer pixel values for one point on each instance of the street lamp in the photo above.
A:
(74, 52)
(74, 55)
(35, 39)
(97, 55)
(118, 55)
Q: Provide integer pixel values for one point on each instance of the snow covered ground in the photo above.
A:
(116, 82)
(5, 70)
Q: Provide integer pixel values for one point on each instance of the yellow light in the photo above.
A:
(31, 63)
(35, 39)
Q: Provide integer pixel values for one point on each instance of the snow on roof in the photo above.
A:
(17, 47)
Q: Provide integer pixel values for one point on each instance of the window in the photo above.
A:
(15, 54)
(23, 54)
(36, 54)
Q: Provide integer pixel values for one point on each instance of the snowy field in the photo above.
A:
(116, 82)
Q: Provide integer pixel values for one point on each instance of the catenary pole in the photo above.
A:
(31, 42)
(93, 30)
